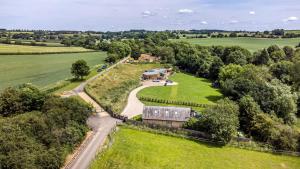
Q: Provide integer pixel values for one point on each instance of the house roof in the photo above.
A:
(155, 71)
(166, 113)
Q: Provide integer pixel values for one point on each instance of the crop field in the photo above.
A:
(292, 31)
(112, 89)
(135, 149)
(189, 88)
(22, 49)
(252, 44)
(42, 70)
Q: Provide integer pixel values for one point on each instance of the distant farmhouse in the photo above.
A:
(156, 74)
(148, 58)
(173, 117)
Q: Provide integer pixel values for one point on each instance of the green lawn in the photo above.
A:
(134, 149)
(22, 49)
(189, 88)
(252, 44)
(113, 88)
(42, 70)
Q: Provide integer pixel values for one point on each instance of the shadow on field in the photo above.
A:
(214, 98)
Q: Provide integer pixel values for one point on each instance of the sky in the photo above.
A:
(117, 15)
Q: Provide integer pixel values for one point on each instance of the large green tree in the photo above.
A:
(221, 121)
(80, 69)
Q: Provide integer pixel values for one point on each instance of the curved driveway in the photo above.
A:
(134, 106)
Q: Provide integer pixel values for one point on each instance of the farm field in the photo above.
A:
(22, 49)
(42, 70)
(189, 88)
(252, 44)
(112, 89)
(135, 149)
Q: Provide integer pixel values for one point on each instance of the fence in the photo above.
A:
(185, 103)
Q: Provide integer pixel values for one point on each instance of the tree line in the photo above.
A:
(39, 130)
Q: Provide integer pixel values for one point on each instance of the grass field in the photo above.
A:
(113, 88)
(22, 49)
(252, 44)
(189, 88)
(134, 149)
(42, 70)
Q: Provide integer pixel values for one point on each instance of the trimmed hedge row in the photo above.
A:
(42, 53)
(185, 103)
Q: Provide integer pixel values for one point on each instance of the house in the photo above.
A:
(148, 58)
(155, 74)
(173, 117)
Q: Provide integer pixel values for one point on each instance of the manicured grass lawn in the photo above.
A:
(133, 149)
(113, 88)
(189, 88)
(42, 70)
(252, 44)
(22, 49)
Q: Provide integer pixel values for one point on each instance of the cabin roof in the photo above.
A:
(166, 113)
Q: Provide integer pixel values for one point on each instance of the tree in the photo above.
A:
(229, 50)
(10, 102)
(215, 67)
(273, 48)
(262, 57)
(249, 109)
(233, 35)
(289, 52)
(120, 49)
(277, 56)
(80, 69)
(283, 71)
(166, 54)
(230, 71)
(237, 57)
(221, 121)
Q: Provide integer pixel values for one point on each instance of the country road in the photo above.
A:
(101, 123)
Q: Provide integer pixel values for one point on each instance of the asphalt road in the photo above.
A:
(101, 123)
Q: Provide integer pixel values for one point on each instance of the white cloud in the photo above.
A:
(291, 18)
(234, 21)
(252, 12)
(147, 13)
(204, 23)
(185, 11)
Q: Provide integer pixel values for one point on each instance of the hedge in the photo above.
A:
(185, 103)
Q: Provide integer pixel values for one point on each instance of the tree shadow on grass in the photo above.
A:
(208, 144)
(76, 80)
(214, 98)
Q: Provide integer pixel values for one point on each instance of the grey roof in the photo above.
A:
(155, 71)
(166, 113)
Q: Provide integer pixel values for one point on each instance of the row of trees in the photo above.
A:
(38, 130)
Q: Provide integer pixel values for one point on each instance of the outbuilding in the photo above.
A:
(173, 117)
(155, 74)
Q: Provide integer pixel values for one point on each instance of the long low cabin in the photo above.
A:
(173, 117)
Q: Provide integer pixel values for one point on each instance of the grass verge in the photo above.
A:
(112, 89)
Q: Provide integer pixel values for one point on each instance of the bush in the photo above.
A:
(221, 121)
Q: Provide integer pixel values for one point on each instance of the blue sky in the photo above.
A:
(117, 15)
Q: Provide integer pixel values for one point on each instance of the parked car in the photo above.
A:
(156, 80)
(169, 81)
